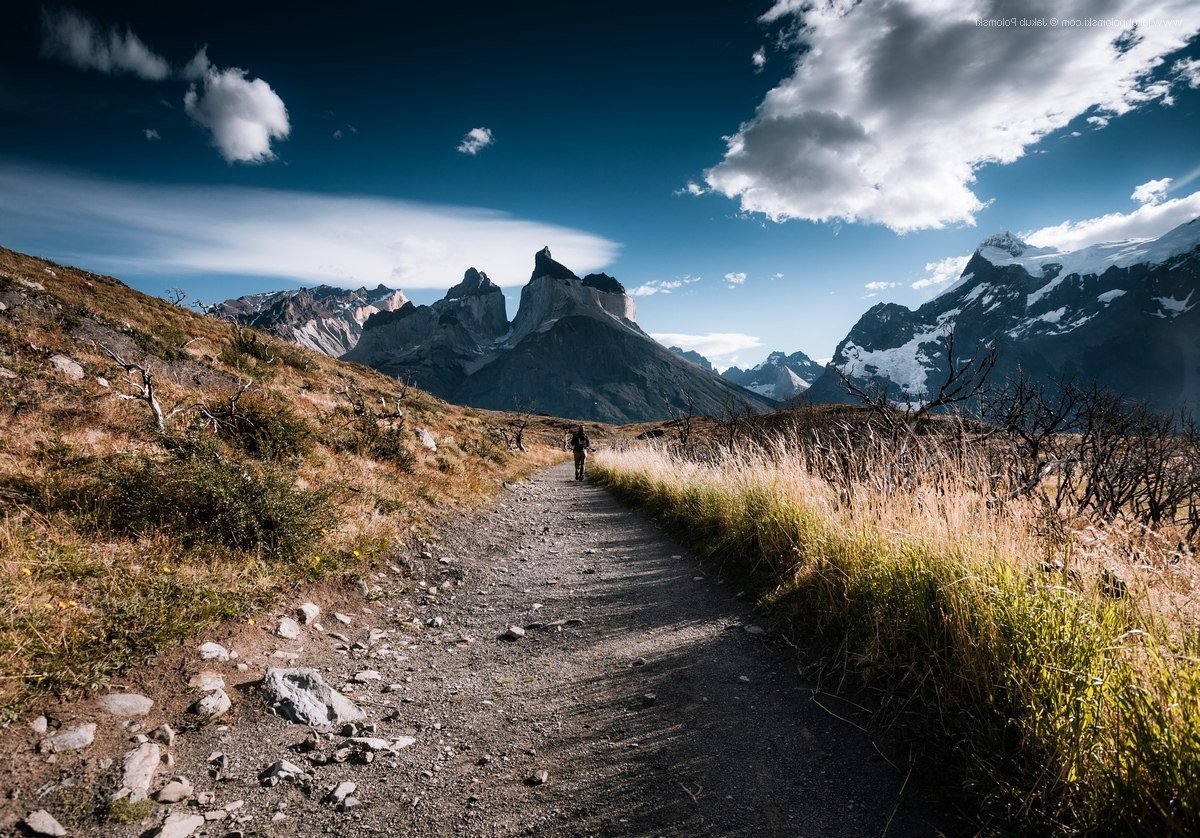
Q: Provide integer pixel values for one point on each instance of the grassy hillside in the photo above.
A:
(1052, 660)
(274, 467)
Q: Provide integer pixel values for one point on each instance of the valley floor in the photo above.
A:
(666, 711)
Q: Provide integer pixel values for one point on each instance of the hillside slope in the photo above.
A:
(274, 466)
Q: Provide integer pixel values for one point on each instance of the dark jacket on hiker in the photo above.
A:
(580, 442)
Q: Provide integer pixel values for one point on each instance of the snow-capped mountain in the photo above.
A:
(1124, 314)
(574, 349)
(780, 377)
(323, 318)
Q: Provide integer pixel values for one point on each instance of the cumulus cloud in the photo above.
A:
(662, 286)
(150, 134)
(1152, 191)
(759, 58)
(1187, 70)
(1149, 220)
(78, 40)
(476, 140)
(304, 237)
(711, 345)
(735, 279)
(895, 104)
(880, 286)
(243, 114)
(941, 272)
(692, 189)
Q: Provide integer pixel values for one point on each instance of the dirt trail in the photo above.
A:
(665, 712)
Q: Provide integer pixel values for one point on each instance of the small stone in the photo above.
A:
(755, 630)
(538, 778)
(216, 703)
(102, 381)
(308, 613)
(340, 792)
(423, 436)
(42, 822)
(288, 628)
(279, 771)
(745, 679)
(349, 803)
(179, 789)
(513, 633)
(213, 652)
(70, 739)
(5, 372)
(180, 825)
(640, 662)
(341, 618)
(207, 681)
(164, 733)
(68, 367)
(435, 622)
(125, 704)
(140, 765)
(649, 700)
(366, 676)
(39, 725)
(215, 815)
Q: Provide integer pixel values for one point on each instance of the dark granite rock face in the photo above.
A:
(603, 282)
(544, 265)
(1125, 315)
(693, 356)
(473, 283)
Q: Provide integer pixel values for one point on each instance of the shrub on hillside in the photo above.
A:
(260, 427)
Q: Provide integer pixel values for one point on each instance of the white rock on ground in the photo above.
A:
(71, 739)
(279, 771)
(67, 366)
(42, 822)
(176, 791)
(341, 792)
(213, 652)
(39, 725)
(140, 765)
(308, 613)
(180, 825)
(366, 675)
(216, 703)
(288, 628)
(425, 438)
(125, 704)
(301, 695)
(164, 733)
(207, 681)
(341, 618)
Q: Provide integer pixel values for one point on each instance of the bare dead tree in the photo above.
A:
(175, 296)
(681, 421)
(144, 390)
(519, 420)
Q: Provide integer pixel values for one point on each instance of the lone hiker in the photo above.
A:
(580, 445)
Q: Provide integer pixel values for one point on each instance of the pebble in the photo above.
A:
(70, 739)
(649, 700)
(366, 676)
(513, 633)
(213, 651)
(288, 628)
(538, 778)
(216, 703)
(125, 704)
(341, 618)
(308, 613)
(755, 630)
(140, 765)
(208, 680)
(39, 725)
(180, 825)
(340, 792)
(42, 822)
(176, 791)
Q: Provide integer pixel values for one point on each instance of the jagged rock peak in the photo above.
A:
(1007, 242)
(473, 284)
(604, 282)
(544, 265)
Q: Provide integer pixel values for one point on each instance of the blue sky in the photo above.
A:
(230, 151)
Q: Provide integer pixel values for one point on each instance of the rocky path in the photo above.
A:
(648, 702)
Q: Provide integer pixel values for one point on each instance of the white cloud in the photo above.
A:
(662, 286)
(244, 115)
(199, 66)
(735, 279)
(692, 188)
(151, 134)
(895, 104)
(78, 40)
(1147, 221)
(941, 272)
(776, 276)
(759, 59)
(293, 236)
(1152, 191)
(711, 345)
(476, 140)
(1187, 70)
(881, 286)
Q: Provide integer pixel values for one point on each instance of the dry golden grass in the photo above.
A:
(991, 630)
(86, 590)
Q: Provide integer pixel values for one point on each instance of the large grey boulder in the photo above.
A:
(302, 696)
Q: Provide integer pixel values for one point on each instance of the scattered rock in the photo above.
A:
(513, 633)
(125, 704)
(280, 771)
(42, 822)
(754, 630)
(176, 791)
(435, 622)
(639, 662)
(213, 652)
(341, 618)
(425, 438)
(102, 381)
(349, 803)
(5, 372)
(216, 703)
(288, 628)
(649, 700)
(164, 733)
(366, 676)
(39, 725)
(538, 778)
(70, 739)
(207, 681)
(340, 792)
(180, 825)
(308, 613)
(140, 765)
(301, 695)
(745, 679)
(67, 366)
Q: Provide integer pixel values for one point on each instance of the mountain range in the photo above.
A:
(780, 377)
(1125, 315)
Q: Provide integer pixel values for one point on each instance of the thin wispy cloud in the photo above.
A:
(1151, 219)
(299, 237)
(894, 105)
(759, 58)
(734, 279)
(662, 286)
(476, 140)
(71, 37)
(711, 345)
(940, 272)
(150, 134)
